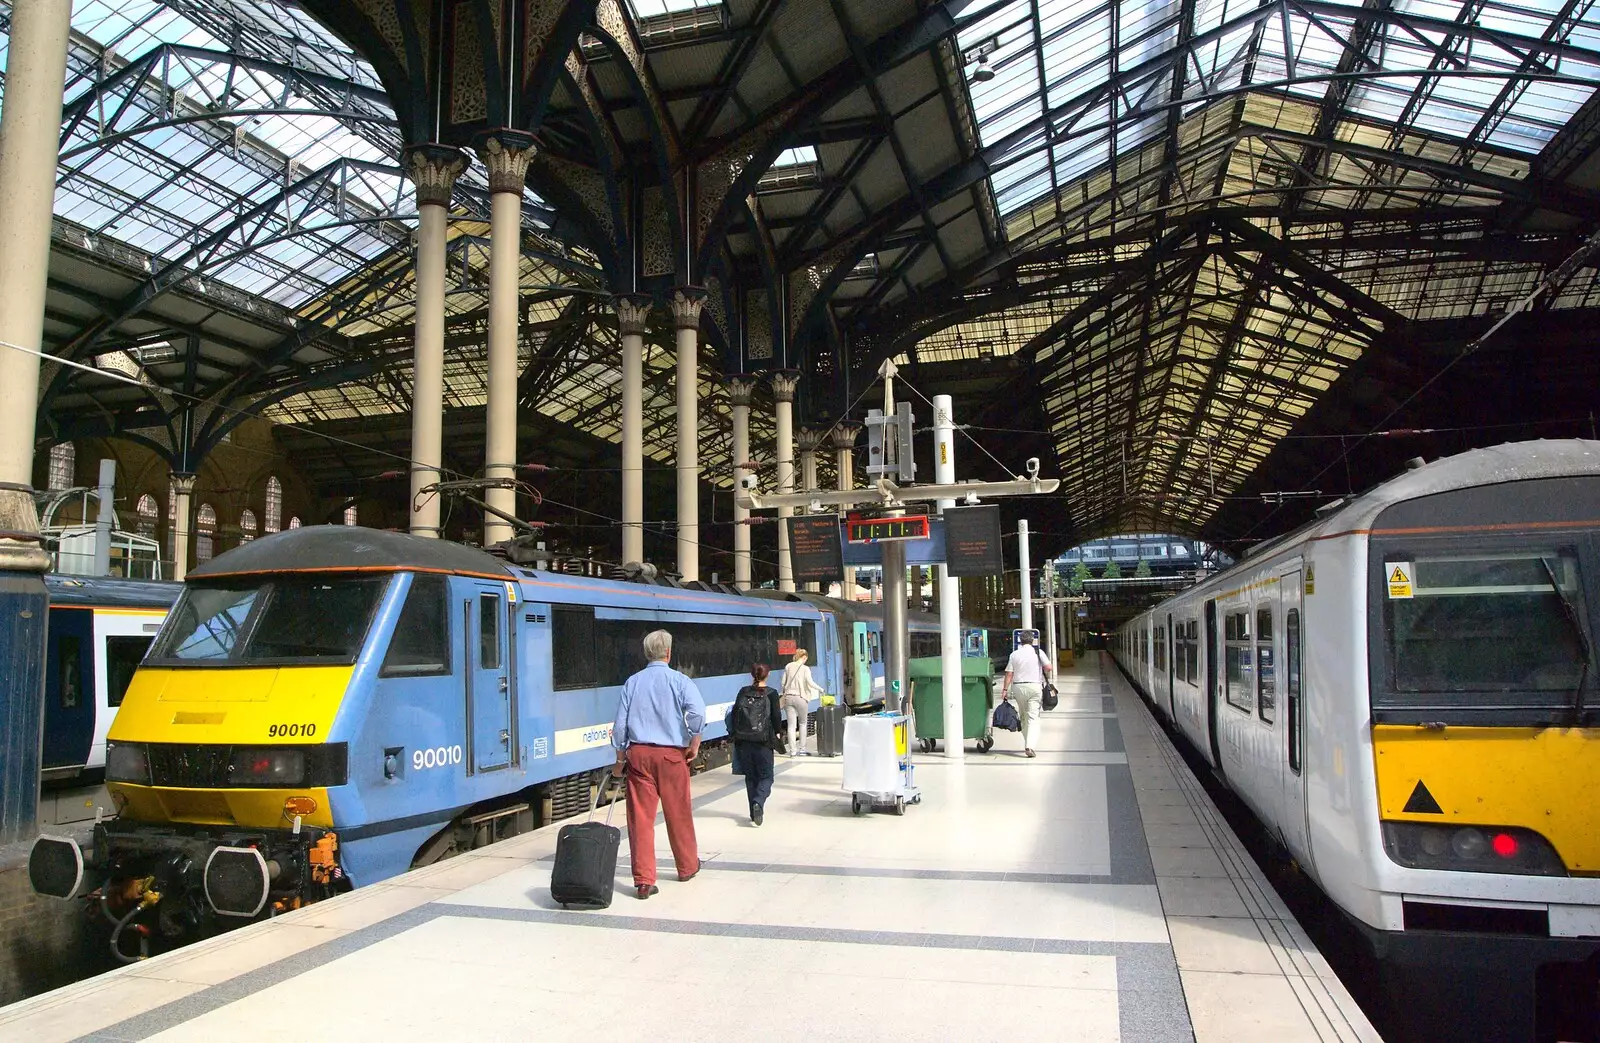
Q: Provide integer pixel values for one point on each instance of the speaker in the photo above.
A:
(236, 881)
(55, 867)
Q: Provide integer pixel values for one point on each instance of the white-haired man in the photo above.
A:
(656, 735)
(1026, 673)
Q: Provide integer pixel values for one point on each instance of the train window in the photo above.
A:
(421, 643)
(123, 656)
(1291, 652)
(1266, 678)
(1194, 651)
(587, 652)
(69, 669)
(1236, 659)
(572, 663)
(1161, 650)
(317, 619)
(1526, 606)
(206, 623)
(489, 631)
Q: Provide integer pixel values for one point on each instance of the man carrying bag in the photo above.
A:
(1026, 675)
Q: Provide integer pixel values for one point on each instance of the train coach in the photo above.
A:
(1403, 692)
(332, 705)
(99, 631)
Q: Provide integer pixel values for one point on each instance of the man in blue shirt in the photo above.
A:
(656, 735)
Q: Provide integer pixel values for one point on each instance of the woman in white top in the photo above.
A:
(796, 693)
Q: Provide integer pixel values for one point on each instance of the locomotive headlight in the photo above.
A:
(128, 762)
(267, 767)
(1471, 849)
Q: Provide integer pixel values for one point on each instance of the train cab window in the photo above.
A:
(1526, 606)
(293, 618)
(206, 623)
(69, 670)
(123, 656)
(421, 643)
(1291, 653)
(489, 631)
(1237, 653)
(1266, 677)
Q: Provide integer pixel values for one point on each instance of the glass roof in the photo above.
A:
(1143, 153)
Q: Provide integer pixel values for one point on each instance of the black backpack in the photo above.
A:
(752, 715)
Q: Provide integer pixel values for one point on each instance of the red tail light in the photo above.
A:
(1505, 845)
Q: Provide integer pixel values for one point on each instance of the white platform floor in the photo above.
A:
(1092, 893)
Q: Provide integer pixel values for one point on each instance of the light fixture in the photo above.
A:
(982, 74)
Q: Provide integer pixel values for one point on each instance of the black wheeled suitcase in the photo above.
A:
(585, 873)
(830, 731)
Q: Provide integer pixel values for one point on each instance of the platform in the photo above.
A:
(1093, 893)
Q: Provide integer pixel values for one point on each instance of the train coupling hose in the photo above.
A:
(148, 896)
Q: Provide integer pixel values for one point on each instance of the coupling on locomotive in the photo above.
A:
(331, 706)
(1403, 692)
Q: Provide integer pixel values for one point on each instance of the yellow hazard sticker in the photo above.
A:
(1311, 580)
(1399, 576)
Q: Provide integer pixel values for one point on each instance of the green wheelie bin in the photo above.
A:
(927, 701)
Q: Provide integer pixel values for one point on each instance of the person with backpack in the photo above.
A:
(795, 694)
(755, 723)
(1026, 675)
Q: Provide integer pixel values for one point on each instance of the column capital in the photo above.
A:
(507, 154)
(784, 384)
(686, 302)
(633, 313)
(434, 169)
(844, 435)
(810, 439)
(741, 390)
(183, 484)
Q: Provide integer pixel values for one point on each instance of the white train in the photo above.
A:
(1403, 692)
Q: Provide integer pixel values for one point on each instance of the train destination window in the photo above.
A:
(123, 656)
(1237, 655)
(1526, 606)
(421, 642)
(69, 669)
(489, 631)
(1266, 678)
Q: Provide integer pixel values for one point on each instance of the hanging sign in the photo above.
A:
(859, 529)
(972, 541)
(814, 549)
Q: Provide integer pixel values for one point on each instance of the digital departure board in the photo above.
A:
(814, 549)
(882, 530)
(972, 541)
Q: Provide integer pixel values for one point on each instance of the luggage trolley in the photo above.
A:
(878, 772)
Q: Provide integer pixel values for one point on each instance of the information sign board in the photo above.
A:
(972, 541)
(814, 548)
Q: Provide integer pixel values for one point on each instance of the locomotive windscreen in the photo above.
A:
(283, 620)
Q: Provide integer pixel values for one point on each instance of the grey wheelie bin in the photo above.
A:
(927, 701)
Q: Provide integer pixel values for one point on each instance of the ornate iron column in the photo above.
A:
(844, 438)
(686, 304)
(433, 169)
(809, 439)
(784, 384)
(740, 391)
(633, 317)
(182, 492)
(507, 155)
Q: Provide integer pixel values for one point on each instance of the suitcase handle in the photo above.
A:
(605, 779)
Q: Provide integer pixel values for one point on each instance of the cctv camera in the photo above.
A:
(748, 482)
(1033, 467)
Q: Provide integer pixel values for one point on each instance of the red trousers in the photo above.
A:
(659, 775)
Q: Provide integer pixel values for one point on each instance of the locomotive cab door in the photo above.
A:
(486, 620)
(1213, 682)
(1296, 834)
(69, 711)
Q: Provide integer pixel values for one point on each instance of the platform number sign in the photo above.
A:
(1398, 575)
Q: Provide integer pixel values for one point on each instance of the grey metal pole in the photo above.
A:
(895, 668)
(106, 494)
(944, 464)
(1025, 588)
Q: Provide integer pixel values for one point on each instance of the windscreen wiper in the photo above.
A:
(1571, 612)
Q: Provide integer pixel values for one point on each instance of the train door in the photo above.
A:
(1296, 828)
(485, 618)
(1172, 665)
(828, 650)
(1213, 681)
(69, 702)
(121, 640)
(860, 664)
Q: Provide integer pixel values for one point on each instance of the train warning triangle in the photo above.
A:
(1422, 802)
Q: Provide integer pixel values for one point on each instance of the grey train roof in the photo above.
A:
(350, 548)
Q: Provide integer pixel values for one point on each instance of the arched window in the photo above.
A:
(247, 526)
(294, 523)
(63, 465)
(274, 505)
(148, 513)
(205, 533)
(350, 515)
